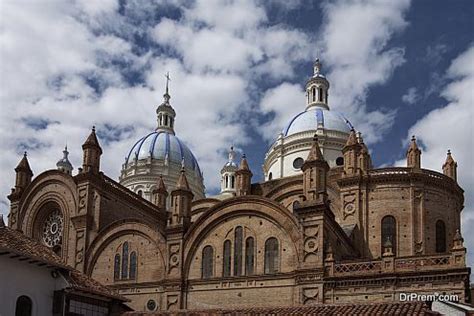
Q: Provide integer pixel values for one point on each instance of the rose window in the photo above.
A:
(53, 229)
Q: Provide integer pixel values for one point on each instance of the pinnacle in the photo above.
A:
(24, 165)
(161, 184)
(315, 152)
(352, 140)
(92, 140)
(244, 165)
(182, 181)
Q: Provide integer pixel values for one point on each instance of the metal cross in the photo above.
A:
(168, 79)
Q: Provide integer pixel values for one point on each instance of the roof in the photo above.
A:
(15, 244)
(163, 145)
(392, 308)
(316, 116)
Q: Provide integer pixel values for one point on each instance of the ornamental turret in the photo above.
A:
(23, 175)
(450, 167)
(181, 199)
(315, 170)
(64, 164)
(413, 155)
(351, 153)
(165, 112)
(160, 194)
(228, 178)
(317, 88)
(243, 178)
(364, 160)
(91, 154)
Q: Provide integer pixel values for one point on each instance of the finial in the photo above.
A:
(315, 138)
(244, 156)
(317, 66)
(413, 138)
(168, 79)
(182, 163)
(25, 154)
(449, 152)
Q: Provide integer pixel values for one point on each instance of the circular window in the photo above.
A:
(53, 229)
(151, 305)
(298, 163)
(339, 161)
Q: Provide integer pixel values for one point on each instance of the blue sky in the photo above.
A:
(238, 71)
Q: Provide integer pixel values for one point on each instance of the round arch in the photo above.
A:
(240, 206)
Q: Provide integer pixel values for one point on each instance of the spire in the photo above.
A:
(413, 155)
(352, 140)
(64, 164)
(244, 165)
(165, 112)
(91, 153)
(24, 165)
(450, 166)
(161, 184)
(182, 180)
(315, 152)
(317, 88)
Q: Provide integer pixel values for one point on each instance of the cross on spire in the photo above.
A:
(168, 79)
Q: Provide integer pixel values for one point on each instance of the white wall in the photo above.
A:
(20, 278)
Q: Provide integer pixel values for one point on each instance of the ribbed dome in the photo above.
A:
(163, 145)
(317, 116)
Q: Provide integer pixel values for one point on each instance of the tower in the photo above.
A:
(413, 155)
(91, 154)
(165, 112)
(317, 88)
(315, 170)
(243, 177)
(450, 167)
(228, 178)
(64, 164)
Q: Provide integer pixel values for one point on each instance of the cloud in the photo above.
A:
(450, 127)
(354, 44)
(281, 102)
(411, 96)
(103, 64)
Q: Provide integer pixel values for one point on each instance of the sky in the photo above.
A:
(238, 70)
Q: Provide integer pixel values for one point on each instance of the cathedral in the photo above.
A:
(324, 226)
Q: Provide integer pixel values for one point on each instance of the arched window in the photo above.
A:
(270, 176)
(166, 120)
(125, 260)
(24, 306)
(238, 250)
(232, 182)
(249, 256)
(171, 122)
(389, 232)
(207, 262)
(140, 192)
(320, 94)
(226, 182)
(314, 94)
(440, 236)
(133, 265)
(227, 259)
(117, 267)
(271, 255)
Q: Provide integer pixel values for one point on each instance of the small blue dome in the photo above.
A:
(161, 144)
(314, 116)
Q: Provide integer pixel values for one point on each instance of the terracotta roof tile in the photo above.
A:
(14, 242)
(369, 309)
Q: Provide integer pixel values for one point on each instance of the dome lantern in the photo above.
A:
(317, 88)
(165, 112)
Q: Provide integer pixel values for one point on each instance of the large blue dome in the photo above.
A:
(162, 145)
(315, 116)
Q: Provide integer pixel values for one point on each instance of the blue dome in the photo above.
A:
(314, 116)
(160, 144)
